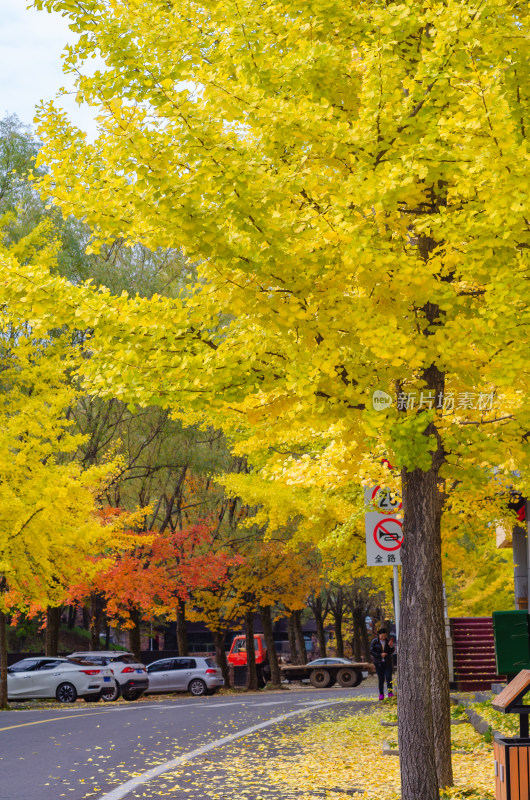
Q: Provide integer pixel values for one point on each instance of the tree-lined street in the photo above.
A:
(288, 275)
(94, 752)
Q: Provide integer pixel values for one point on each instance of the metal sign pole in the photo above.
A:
(397, 604)
(527, 541)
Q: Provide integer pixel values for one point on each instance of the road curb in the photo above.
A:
(480, 724)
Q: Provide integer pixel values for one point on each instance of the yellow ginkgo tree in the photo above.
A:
(49, 524)
(353, 179)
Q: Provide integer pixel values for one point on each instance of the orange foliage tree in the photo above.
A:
(155, 574)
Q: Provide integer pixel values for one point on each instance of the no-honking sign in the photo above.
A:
(388, 534)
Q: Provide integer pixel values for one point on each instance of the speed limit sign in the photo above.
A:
(385, 500)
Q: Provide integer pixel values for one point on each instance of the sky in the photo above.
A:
(31, 43)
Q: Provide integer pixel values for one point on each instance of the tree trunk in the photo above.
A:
(357, 620)
(422, 623)
(439, 669)
(71, 616)
(319, 622)
(293, 649)
(53, 620)
(339, 641)
(95, 621)
(135, 644)
(365, 639)
(299, 633)
(182, 636)
(220, 656)
(418, 638)
(252, 675)
(336, 604)
(266, 620)
(3, 660)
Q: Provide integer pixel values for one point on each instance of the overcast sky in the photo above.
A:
(31, 43)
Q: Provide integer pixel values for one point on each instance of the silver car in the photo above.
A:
(130, 675)
(196, 675)
(35, 678)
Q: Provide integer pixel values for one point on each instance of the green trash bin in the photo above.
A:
(511, 630)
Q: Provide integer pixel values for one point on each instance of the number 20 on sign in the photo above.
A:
(384, 529)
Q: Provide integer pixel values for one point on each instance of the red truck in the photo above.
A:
(238, 652)
(238, 656)
(322, 673)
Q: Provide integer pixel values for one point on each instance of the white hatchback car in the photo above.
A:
(36, 678)
(130, 675)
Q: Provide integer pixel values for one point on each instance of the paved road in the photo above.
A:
(104, 751)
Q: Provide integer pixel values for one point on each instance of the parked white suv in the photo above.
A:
(64, 679)
(129, 674)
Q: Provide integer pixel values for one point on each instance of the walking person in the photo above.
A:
(382, 650)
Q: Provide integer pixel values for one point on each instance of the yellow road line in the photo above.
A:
(53, 719)
(108, 710)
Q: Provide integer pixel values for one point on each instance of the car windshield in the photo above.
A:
(126, 659)
(241, 645)
(88, 659)
(26, 665)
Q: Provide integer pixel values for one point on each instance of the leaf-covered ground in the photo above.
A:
(337, 757)
(342, 754)
(507, 724)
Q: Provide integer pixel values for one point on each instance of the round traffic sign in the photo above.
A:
(384, 501)
(388, 534)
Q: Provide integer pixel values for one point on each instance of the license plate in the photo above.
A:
(139, 670)
(106, 679)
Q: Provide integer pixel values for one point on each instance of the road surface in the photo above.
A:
(172, 746)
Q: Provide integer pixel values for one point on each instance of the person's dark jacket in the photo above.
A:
(376, 651)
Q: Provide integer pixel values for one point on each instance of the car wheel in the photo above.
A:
(130, 696)
(348, 677)
(110, 695)
(359, 677)
(197, 687)
(66, 693)
(320, 678)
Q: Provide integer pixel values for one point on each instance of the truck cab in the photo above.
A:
(238, 652)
